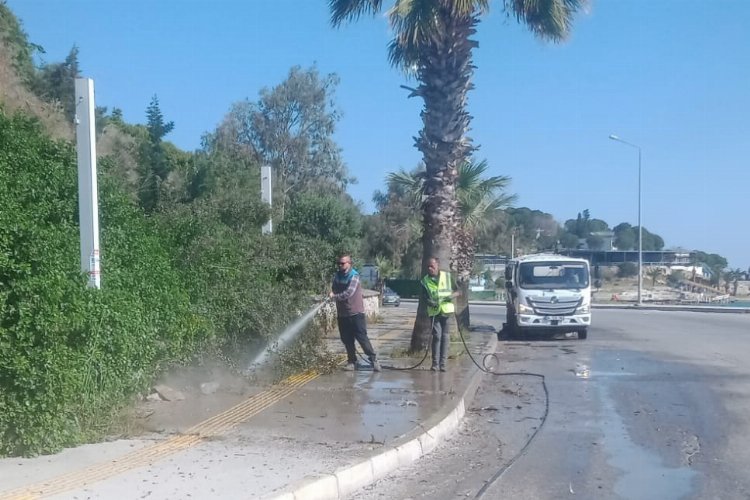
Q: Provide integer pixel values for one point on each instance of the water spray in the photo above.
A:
(290, 333)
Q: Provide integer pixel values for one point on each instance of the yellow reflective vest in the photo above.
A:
(440, 293)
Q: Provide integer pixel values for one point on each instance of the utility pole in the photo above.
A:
(88, 197)
(265, 194)
(640, 226)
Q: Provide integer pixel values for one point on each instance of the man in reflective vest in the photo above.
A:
(439, 288)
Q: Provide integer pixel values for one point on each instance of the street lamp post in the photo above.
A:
(640, 227)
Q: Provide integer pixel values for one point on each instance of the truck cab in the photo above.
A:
(548, 294)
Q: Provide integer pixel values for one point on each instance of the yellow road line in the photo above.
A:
(211, 427)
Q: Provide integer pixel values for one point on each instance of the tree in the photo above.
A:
(432, 41)
(154, 166)
(569, 240)
(716, 263)
(627, 269)
(19, 49)
(654, 273)
(330, 218)
(478, 200)
(56, 82)
(675, 278)
(594, 242)
(394, 231)
(583, 225)
(533, 229)
(291, 128)
(651, 241)
(731, 278)
(386, 270)
(625, 238)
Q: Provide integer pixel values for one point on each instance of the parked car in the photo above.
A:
(391, 298)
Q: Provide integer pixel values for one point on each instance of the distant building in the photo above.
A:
(650, 257)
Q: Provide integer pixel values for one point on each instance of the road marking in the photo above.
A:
(214, 426)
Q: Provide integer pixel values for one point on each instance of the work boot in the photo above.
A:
(442, 368)
(375, 365)
(349, 367)
(433, 368)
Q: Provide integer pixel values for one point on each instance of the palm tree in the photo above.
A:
(386, 270)
(731, 278)
(479, 199)
(432, 41)
(654, 273)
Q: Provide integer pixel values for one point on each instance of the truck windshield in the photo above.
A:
(553, 275)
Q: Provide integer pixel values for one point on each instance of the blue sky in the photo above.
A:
(672, 76)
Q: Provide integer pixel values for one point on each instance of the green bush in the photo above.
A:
(407, 289)
(627, 269)
(192, 277)
(70, 356)
(483, 295)
(249, 287)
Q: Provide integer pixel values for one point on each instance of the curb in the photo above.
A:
(634, 307)
(668, 307)
(345, 481)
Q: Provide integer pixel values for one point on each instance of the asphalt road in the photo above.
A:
(653, 405)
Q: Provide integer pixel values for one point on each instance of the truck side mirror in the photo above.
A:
(598, 283)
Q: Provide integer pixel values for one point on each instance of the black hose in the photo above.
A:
(484, 368)
(426, 352)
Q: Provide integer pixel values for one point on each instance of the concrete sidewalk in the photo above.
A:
(309, 437)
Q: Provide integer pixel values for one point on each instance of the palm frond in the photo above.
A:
(351, 10)
(479, 199)
(409, 183)
(547, 19)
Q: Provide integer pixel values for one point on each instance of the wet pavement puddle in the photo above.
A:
(644, 475)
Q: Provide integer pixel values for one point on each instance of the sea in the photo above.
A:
(736, 303)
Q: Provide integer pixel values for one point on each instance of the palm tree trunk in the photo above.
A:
(436, 243)
(464, 263)
(462, 304)
(444, 71)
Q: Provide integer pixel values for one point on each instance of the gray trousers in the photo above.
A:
(351, 328)
(440, 340)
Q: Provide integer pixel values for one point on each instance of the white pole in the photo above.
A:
(640, 226)
(265, 194)
(640, 235)
(88, 199)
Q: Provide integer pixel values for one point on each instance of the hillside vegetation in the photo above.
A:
(186, 272)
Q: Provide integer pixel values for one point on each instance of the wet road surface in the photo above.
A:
(654, 405)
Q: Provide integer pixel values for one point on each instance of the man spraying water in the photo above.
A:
(350, 313)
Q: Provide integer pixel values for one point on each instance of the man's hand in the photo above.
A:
(331, 295)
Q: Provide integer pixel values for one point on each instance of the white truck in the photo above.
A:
(548, 294)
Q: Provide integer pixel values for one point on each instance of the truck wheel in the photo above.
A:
(510, 316)
(582, 334)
